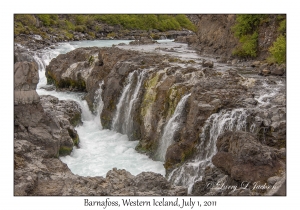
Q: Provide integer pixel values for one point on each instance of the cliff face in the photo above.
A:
(215, 35)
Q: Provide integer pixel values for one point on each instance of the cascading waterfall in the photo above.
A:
(171, 128)
(100, 149)
(216, 124)
(98, 104)
(123, 120)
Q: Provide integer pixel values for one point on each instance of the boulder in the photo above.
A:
(25, 81)
(265, 72)
(207, 63)
(245, 158)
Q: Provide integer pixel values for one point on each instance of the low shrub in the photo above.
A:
(48, 19)
(278, 50)
(81, 28)
(248, 46)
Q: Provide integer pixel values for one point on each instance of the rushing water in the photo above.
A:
(172, 126)
(216, 124)
(123, 121)
(100, 149)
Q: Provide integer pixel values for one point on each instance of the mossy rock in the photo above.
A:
(180, 152)
(76, 119)
(74, 137)
(175, 94)
(65, 83)
(146, 147)
(63, 151)
(150, 94)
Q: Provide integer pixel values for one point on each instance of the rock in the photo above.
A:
(279, 188)
(25, 82)
(255, 64)
(278, 71)
(234, 61)
(68, 115)
(100, 59)
(272, 180)
(265, 72)
(207, 63)
(161, 87)
(251, 101)
(25, 76)
(142, 41)
(244, 158)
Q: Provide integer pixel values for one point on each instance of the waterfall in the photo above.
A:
(100, 149)
(171, 128)
(98, 104)
(193, 170)
(123, 120)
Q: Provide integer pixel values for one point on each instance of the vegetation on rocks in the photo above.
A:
(63, 150)
(148, 22)
(245, 30)
(278, 49)
(63, 26)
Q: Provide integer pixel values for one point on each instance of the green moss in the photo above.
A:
(187, 154)
(154, 36)
(150, 94)
(63, 150)
(174, 95)
(146, 147)
(66, 83)
(111, 35)
(76, 140)
(76, 119)
(91, 60)
(50, 78)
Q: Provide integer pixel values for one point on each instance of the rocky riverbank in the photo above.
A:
(215, 37)
(230, 129)
(44, 130)
(36, 42)
(156, 84)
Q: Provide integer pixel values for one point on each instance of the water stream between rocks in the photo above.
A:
(102, 149)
